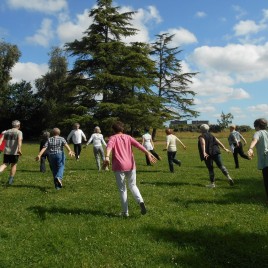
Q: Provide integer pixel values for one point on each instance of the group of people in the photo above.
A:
(123, 164)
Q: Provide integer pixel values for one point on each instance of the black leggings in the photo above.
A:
(154, 154)
(209, 163)
(77, 149)
(265, 179)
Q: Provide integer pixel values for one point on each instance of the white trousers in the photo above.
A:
(130, 176)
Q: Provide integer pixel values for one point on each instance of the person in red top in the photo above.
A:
(123, 165)
(2, 146)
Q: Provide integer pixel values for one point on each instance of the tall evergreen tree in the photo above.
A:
(116, 75)
(171, 83)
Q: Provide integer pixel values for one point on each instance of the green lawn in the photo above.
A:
(187, 224)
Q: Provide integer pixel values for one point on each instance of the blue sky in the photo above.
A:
(225, 41)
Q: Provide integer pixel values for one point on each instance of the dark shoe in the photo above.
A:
(231, 182)
(143, 208)
(58, 183)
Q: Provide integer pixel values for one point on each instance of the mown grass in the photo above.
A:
(187, 224)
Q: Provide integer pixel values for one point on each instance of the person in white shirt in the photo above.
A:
(148, 143)
(77, 135)
(97, 140)
(171, 148)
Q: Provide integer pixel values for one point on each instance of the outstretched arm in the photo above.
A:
(243, 139)
(40, 153)
(222, 146)
(70, 152)
(184, 147)
(252, 145)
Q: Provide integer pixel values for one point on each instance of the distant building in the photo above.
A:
(200, 122)
(178, 122)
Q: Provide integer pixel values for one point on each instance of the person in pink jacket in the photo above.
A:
(123, 165)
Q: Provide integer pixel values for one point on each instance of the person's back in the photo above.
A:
(147, 141)
(12, 151)
(122, 154)
(211, 145)
(12, 137)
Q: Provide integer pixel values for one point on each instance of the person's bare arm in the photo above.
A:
(40, 154)
(203, 147)
(222, 146)
(70, 152)
(19, 146)
(252, 145)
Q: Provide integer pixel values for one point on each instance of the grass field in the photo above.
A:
(187, 224)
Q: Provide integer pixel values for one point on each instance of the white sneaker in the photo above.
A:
(124, 214)
(212, 185)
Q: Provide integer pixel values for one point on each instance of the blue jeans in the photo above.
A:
(57, 165)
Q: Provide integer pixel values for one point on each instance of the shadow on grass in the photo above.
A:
(41, 188)
(28, 170)
(168, 183)
(213, 247)
(41, 212)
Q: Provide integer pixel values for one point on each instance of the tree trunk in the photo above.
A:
(154, 134)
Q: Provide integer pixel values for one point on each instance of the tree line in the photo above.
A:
(140, 84)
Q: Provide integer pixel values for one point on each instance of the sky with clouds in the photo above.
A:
(226, 42)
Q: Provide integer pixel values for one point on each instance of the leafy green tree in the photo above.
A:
(58, 93)
(9, 56)
(117, 75)
(21, 103)
(172, 85)
(225, 120)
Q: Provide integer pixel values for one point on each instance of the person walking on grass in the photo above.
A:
(44, 138)
(123, 165)
(209, 150)
(55, 146)
(98, 141)
(148, 143)
(236, 145)
(171, 148)
(13, 143)
(77, 135)
(260, 141)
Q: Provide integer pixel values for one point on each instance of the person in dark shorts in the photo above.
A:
(12, 152)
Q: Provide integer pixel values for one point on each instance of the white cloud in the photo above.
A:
(142, 20)
(28, 71)
(265, 15)
(43, 35)
(260, 110)
(151, 14)
(68, 31)
(246, 27)
(240, 11)
(181, 37)
(207, 109)
(45, 6)
(200, 14)
(244, 63)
